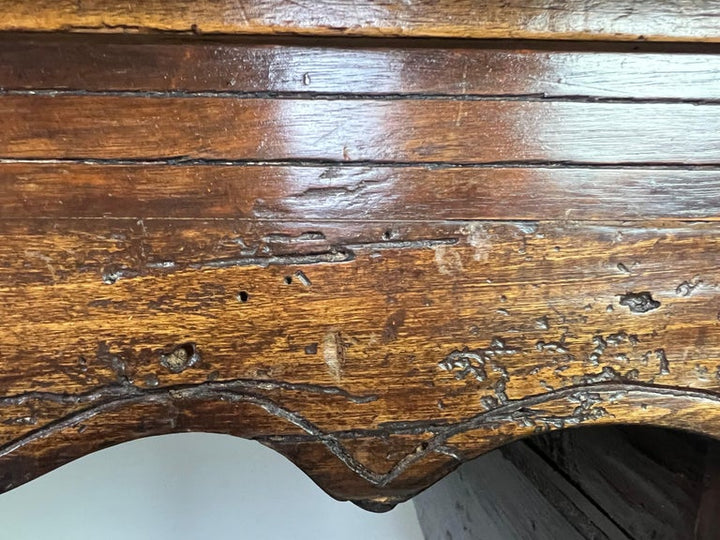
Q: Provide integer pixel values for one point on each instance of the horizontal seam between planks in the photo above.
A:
(359, 43)
(619, 222)
(357, 96)
(369, 32)
(305, 162)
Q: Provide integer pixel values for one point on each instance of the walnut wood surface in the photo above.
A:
(385, 131)
(355, 192)
(674, 20)
(430, 68)
(378, 281)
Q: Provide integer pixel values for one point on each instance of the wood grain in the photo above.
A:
(355, 193)
(361, 67)
(462, 318)
(678, 20)
(379, 280)
(386, 131)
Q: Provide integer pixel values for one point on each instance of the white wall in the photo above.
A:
(189, 486)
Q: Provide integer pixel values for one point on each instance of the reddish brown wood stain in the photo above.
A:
(379, 258)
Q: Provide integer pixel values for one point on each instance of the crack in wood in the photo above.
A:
(330, 256)
(282, 238)
(357, 96)
(182, 160)
(341, 254)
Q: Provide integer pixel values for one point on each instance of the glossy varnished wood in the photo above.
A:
(340, 191)
(379, 277)
(535, 19)
(360, 66)
(386, 131)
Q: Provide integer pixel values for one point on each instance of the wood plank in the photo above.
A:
(468, 335)
(398, 67)
(511, 494)
(378, 277)
(141, 128)
(678, 20)
(351, 193)
(652, 482)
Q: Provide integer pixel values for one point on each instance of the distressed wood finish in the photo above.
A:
(674, 20)
(379, 277)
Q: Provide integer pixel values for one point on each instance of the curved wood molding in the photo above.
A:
(380, 261)
(676, 20)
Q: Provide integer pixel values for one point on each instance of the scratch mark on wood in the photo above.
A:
(331, 256)
(302, 278)
(307, 236)
(334, 353)
(663, 360)
(404, 244)
(342, 254)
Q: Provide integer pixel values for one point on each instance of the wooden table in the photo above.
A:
(347, 231)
